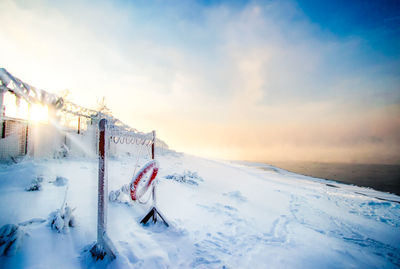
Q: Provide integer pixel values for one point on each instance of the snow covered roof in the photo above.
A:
(31, 94)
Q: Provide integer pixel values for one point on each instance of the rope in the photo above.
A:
(148, 199)
(149, 152)
(118, 136)
(131, 140)
(137, 160)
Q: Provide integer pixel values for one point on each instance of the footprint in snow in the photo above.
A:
(220, 209)
(126, 250)
(235, 195)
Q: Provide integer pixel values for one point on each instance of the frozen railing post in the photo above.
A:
(154, 212)
(153, 145)
(1, 103)
(153, 158)
(103, 245)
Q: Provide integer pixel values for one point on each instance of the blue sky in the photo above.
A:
(257, 80)
(377, 22)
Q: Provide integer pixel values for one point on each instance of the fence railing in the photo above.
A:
(71, 130)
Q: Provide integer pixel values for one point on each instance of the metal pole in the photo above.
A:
(3, 123)
(102, 188)
(153, 145)
(154, 194)
(1, 103)
(153, 157)
(153, 212)
(3, 129)
(26, 137)
(104, 246)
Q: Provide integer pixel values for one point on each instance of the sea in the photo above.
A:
(382, 177)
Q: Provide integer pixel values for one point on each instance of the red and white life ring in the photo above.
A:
(153, 166)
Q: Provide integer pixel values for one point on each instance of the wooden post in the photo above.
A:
(79, 124)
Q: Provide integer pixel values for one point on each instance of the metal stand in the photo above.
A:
(153, 213)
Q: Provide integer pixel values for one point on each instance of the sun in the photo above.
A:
(39, 113)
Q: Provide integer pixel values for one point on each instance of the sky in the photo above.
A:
(247, 80)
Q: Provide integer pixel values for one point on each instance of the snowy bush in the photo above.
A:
(60, 181)
(61, 152)
(114, 195)
(11, 236)
(61, 219)
(121, 195)
(36, 184)
(188, 177)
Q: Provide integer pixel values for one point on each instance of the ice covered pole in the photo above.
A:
(79, 125)
(1, 103)
(154, 213)
(104, 245)
(153, 145)
(102, 185)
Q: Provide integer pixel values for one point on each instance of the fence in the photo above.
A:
(69, 130)
(13, 141)
(39, 140)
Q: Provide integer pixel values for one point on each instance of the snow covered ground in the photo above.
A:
(228, 215)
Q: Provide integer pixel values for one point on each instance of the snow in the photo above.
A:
(236, 216)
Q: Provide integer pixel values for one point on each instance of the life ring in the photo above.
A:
(153, 166)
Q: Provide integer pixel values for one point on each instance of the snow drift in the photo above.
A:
(235, 216)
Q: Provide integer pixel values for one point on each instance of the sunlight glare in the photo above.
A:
(39, 113)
